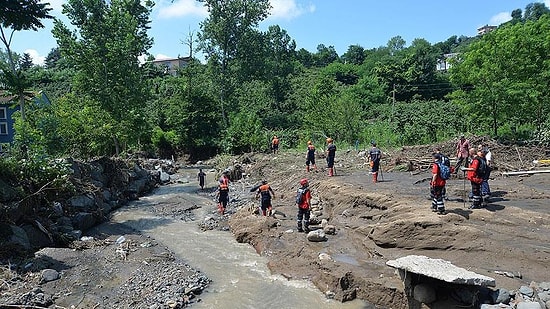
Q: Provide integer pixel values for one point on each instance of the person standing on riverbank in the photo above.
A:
(201, 177)
(331, 153)
(303, 201)
(476, 172)
(374, 160)
(437, 185)
(275, 144)
(310, 156)
(462, 149)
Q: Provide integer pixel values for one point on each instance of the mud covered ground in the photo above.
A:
(392, 219)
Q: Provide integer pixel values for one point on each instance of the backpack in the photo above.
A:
(444, 171)
(482, 169)
(300, 195)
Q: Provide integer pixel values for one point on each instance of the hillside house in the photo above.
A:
(172, 65)
(7, 108)
(485, 29)
(443, 63)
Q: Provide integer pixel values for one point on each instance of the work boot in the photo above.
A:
(375, 177)
(306, 227)
(307, 168)
(330, 172)
(300, 227)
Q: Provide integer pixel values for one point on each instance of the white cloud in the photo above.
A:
(500, 18)
(36, 58)
(180, 8)
(547, 3)
(161, 57)
(288, 9)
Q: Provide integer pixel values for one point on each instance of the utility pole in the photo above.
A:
(393, 103)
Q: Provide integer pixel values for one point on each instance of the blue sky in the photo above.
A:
(338, 23)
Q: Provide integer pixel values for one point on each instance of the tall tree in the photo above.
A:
(325, 55)
(223, 34)
(506, 74)
(20, 15)
(533, 11)
(104, 49)
(26, 62)
(354, 55)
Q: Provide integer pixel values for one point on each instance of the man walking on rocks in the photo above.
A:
(223, 197)
(266, 193)
(303, 201)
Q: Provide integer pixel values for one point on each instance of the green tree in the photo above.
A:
(396, 44)
(534, 11)
(504, 77)
(325, 55)
(104, 49)
(354, 55)
(223, 34)
(17, 16)
(26, 62)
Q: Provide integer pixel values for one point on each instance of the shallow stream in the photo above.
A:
(241, 278)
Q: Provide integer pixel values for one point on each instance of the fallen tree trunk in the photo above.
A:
(525, 173)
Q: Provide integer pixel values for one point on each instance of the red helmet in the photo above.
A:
(303, 181)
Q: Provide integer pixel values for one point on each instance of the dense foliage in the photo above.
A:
(255, 84)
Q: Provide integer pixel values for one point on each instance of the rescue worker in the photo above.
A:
(331, 153)
(462, 148)
(437, 186)
(476, 171)
(303, 201)
(485, 189)
(201, 177)
(223, 197)
(445, 160)
(374, 160)
(275, 144)
(310, 156)
(266, 193)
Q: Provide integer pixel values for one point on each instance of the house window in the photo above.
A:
(3, 128)
(3, 113)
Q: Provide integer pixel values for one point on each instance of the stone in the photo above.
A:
(527, 291)
(544, 296)
(19, 237)
(501, 296)
(424, 293)
(316, 236)
(499, 306)
(329, 229)
(528, 305)
(50, 275)
(440, 269)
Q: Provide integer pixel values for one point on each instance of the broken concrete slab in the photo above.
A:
(440, 269)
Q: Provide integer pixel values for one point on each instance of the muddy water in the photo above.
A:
(240, 276)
